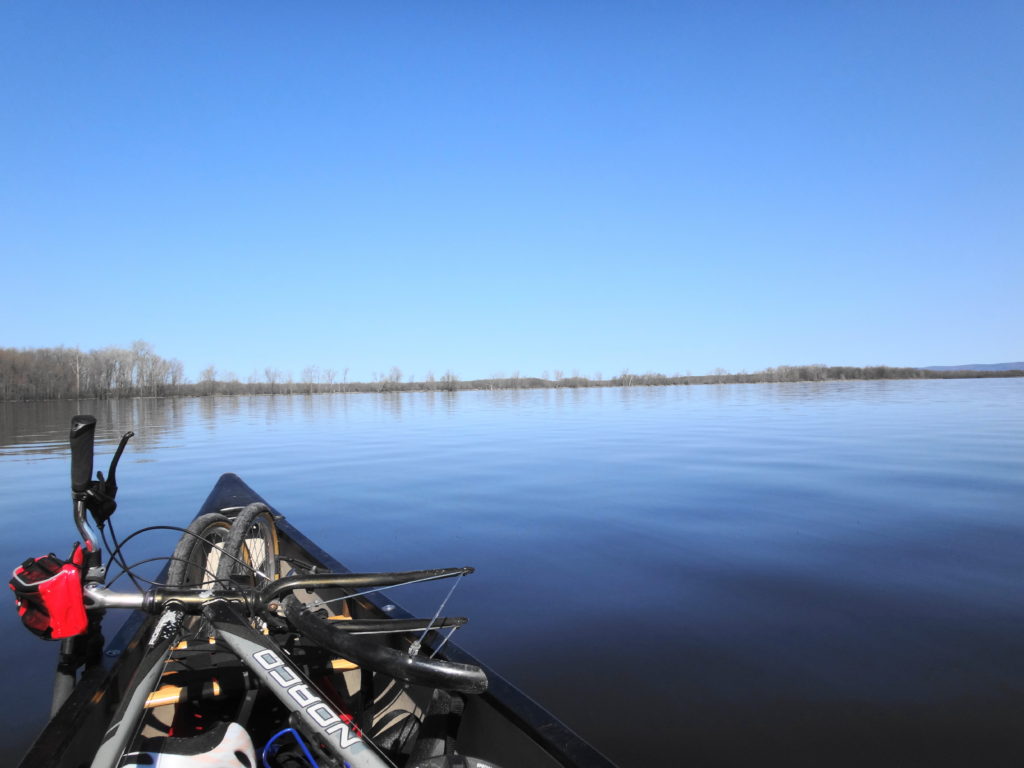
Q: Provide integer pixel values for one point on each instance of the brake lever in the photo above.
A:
(100, 497)
(110, 484)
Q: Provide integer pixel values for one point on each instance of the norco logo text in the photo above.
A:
(314, 706)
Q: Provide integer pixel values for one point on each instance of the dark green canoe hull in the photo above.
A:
(501, 725)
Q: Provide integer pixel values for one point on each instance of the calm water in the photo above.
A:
(725, 575)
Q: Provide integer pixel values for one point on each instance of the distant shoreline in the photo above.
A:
(68, 374)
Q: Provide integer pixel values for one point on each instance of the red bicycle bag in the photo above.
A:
(48, 592)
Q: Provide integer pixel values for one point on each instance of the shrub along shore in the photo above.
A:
(57, 373)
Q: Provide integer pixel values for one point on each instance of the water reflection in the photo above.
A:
(40, 429)
(835, 558)
(391, 403)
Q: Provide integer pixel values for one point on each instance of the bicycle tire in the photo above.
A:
(253, 541)
(197, 557)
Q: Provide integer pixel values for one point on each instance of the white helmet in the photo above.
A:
(225, 745)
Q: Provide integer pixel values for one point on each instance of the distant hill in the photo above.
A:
(978, 367)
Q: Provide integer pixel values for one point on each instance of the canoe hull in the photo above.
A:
(502, 725)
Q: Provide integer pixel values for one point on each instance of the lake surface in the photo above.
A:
(800, 574)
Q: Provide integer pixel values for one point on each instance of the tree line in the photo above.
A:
(57, 373)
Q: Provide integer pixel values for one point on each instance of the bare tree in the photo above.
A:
(394, 378)
(208, 380)
(272, 375)
(449, 381)
(310, 377)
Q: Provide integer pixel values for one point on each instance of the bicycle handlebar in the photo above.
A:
(191, 600)
(356, 580)
(452, 676)
(157, 598)
(437, 673)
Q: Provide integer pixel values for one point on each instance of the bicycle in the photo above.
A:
(244, 657)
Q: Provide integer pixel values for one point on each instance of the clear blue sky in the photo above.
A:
(492, 187)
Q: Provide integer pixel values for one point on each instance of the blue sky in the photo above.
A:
(499, 187)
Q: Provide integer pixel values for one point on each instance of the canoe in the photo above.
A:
(501, 725)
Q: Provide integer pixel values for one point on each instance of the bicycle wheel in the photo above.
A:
(253, 541)
(197, 556)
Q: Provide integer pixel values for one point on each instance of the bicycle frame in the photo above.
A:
(266, 661)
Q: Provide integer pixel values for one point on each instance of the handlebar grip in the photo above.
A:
(83, 432)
